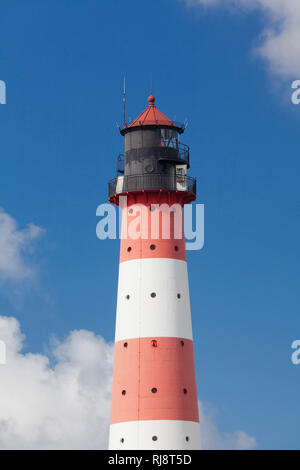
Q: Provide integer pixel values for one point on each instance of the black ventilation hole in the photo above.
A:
(129, 249)
(127, 296)
(184, 391)
(187, 438)
(125, 345)
(152, 247)
(154, 390)
(122, 439)
(176, 248)
(181, 343)
(153, 294)
(154, 343)
(123, 392)
(154, 438)
(178, 296)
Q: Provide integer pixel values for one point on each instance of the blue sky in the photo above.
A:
(63, 64)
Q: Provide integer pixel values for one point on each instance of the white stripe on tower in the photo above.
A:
(153, 299)
(154, 401)
(155, 435)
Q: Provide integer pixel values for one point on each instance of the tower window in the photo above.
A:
(152, 247)
(127, 296)
(187, 438)
(123, 392)
(176, 248)
(129, 249)
(125, 345)
(184, 391)
(122, 440)
(178, 296)
(154, 390)
(181, 343)
(154, 343)
(130, 211)
(153, 294)
(154, 438)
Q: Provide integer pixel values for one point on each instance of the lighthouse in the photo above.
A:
(154, 396)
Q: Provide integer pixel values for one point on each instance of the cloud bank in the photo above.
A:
(15, 245)
(62, 400)
(279, 43)
(60, 406)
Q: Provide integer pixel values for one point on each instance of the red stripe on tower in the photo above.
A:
(154, 399)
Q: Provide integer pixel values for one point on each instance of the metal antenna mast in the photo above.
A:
(124, 101)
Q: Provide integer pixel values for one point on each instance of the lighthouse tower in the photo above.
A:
(154, 398)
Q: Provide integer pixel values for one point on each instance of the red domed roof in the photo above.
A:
(152, 117)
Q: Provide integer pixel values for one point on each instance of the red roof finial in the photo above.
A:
(151, 100)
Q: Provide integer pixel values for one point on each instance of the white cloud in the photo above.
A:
(15, 246)
(60, 406)
(65, 404)
(213, 439)
(279, 43)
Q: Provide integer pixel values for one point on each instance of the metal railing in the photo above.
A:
(174, 152)
(182, 151)
(153, 182)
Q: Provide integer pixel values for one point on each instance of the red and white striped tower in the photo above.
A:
(154, 399)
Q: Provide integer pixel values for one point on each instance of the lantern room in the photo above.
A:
(154, 158)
